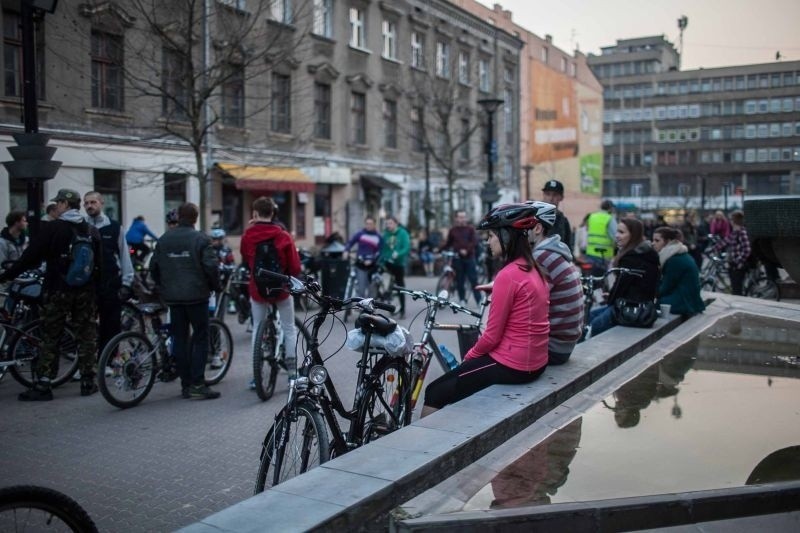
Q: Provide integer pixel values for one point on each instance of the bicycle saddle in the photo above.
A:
(151, 309)
(379, 324)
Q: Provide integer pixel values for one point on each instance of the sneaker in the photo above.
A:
(203, 392)
(41, 392)
(216, 362)
(232, 309)
(88, 387)
(185, 393)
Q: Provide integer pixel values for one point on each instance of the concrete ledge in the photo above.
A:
(363, 486)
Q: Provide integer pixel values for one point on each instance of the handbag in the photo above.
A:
(634, 314)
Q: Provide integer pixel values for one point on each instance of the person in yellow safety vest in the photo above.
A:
(601, 228)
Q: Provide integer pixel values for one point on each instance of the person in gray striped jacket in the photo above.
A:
(566, 293)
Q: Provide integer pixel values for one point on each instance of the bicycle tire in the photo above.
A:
(306, 441)
(52, 503)
(265, 364)
(24, 349)
(131, 319)
(131, 359)
(348, 293)
(764, 288)
(220, 342)
(445, 282)
(384, 406)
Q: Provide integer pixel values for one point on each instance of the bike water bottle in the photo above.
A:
(212, 303)
(451, 360)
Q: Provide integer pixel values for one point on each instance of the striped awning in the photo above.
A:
(255, 178)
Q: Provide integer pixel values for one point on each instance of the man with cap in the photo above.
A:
(553, 193)
(62, 301)
(601, 227)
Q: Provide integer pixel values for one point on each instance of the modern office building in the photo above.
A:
(703, 138)
(328, 106)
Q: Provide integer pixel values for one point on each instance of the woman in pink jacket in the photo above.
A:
(513, 348)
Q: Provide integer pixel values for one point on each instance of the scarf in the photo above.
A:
(673, 248)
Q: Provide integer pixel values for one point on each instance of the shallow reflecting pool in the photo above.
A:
(722, 411)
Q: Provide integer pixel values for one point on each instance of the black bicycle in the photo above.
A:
(32, 508)
(299, 439)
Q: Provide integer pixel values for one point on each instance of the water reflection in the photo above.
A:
(738, 387)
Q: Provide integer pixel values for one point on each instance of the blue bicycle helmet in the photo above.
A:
(172, 216)
(217, 233)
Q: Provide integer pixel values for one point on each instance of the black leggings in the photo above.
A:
(398, 272)
(472, 376)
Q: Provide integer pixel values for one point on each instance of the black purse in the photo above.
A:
(634, 314)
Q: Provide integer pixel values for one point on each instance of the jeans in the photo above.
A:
(286, 314)
(466, 270)
(599, 266)
(601, 319)
(191, 360)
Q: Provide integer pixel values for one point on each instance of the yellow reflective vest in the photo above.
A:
(597, 236)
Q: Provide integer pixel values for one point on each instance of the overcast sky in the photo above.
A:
(719, 33)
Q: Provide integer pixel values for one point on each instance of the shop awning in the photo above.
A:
(254, 178)
(379, 182)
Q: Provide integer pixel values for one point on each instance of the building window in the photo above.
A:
(322, 110)
(573, 70)
(12, 55)
(174, 190)
(281, 103)
(417, 132)
(390, 122)
(233, 97)
(508, 116)
(358, 115)
(463, 67)
(109, 183)
(281, 11)
(443, 59)
(175, 90)
(323, 18)
(417, 50)
(563, 64)
(389, 40)
(357, 30)
(107, 88)
(545, 54)
(484, 76)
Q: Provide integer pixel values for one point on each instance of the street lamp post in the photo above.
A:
(490, 192)
(427, 202)
(527, 168)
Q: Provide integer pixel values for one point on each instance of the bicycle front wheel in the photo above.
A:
(127, 369)
(26, 348)
(764, 288)
(384, 406)
(220, 351)
(296, 443)
(265, 362)
(31, 508)
(445, 282)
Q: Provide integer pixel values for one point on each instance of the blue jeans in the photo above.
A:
(465, 269)
(601, 319)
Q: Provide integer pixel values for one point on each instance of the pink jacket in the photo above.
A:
(517, 331)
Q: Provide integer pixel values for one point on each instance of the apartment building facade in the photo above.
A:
(696, 139)
(332, 117)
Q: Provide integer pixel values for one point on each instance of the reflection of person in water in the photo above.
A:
(536, 476)
(659, 381)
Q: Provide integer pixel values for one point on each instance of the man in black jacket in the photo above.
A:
(553, 193)
(185, 269)
(61, 300)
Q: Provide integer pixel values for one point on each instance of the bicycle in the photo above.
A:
(447, 279)
(298, 439)
(374, 276)
(715, 278)
(591, 284)
(32, 508)
(427, 348)
(132, 361)
(269, 352)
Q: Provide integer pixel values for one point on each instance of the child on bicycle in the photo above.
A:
(513, 348)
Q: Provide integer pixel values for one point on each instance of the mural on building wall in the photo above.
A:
(591, 173)
(555, 115)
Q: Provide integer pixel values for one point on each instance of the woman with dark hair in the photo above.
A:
(513, 348)
(680, 279)
(634, 253)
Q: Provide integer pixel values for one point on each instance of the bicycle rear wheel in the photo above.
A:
(25, 350)
(220, 351)
(31, 508)
(296, 442)
(764, 288)
(384, 406)
(265, 361)
(127, 369)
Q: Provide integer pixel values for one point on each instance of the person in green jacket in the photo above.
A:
(680, 279)
(394, 253)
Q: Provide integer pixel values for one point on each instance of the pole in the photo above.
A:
(427, 202)
(527, 168)
(30, 109)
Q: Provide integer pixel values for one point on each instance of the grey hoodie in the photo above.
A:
(123, 256)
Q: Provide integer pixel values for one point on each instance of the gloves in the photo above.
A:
(125, 293)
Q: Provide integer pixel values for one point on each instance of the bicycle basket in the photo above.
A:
(467, 339)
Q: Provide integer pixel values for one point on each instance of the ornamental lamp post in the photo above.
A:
(490, 192)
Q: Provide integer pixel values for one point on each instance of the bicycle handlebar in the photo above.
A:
(436, 300)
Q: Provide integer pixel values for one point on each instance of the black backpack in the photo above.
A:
(79, 258)
(267, 258)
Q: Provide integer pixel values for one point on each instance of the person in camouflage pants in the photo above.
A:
(80, 307)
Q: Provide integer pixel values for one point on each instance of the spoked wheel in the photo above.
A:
(348, 293)
(764, 288)
(384, 406)
(31, 508)
(446, 282)
(220, 351)
(296, 443)
(265, 359)
(127, 369)
(131, 319)
(27, 346)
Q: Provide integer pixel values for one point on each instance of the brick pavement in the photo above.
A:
(161, 465)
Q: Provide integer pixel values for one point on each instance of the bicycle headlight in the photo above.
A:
(317, 375)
